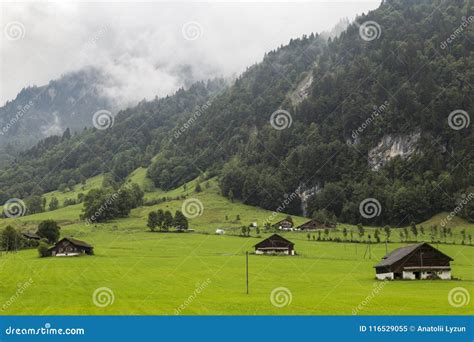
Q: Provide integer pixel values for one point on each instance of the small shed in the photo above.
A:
(31, 236)
(71, 247)
(418, 261)
(275, 244)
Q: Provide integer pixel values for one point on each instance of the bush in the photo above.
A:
(43, 249)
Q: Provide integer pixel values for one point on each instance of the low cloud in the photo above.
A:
(143, 47)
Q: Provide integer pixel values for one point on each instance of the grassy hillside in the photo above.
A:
(158, 273)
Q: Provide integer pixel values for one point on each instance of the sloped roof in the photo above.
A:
(402, 252)
(31, 235)
(275, 238)
(77, 242)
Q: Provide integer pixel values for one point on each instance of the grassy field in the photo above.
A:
(202, 273)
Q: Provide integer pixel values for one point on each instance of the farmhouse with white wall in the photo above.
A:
(419, 261)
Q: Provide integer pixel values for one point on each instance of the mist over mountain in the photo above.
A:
(368, 114)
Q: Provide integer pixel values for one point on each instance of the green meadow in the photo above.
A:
(203, 273)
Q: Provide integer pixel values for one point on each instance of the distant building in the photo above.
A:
(220, 231)
(275, 244)
(419, 261)
(31, 236)
(315, 225)
(283, 225)
(71, 247)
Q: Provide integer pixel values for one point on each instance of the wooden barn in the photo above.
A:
(275, 244)
(284, 224)
(71, 247)
(315, 225)
(419, 261)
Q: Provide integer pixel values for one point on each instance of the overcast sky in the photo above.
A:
(145, 46)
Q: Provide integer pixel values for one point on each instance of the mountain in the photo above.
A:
(374, 116)
(40, 112)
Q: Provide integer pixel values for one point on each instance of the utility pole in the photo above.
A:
(247, 271)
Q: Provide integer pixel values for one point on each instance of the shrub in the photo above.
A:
(43, 249)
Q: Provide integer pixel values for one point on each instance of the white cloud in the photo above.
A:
(141, 45)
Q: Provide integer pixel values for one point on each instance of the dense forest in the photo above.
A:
(400, 87)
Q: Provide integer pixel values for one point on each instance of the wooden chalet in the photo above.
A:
(315, 225)
(419, 261)
(71, 247)
(283, 225)
(275, 244)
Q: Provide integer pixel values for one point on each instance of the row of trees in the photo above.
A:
(164, 220)
(407, 234)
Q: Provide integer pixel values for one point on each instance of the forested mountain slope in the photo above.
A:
(343, 120)
(407, 154)
(42, 111)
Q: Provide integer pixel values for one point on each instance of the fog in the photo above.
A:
(151, 49)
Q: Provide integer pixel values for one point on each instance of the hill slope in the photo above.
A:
(327, 143)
